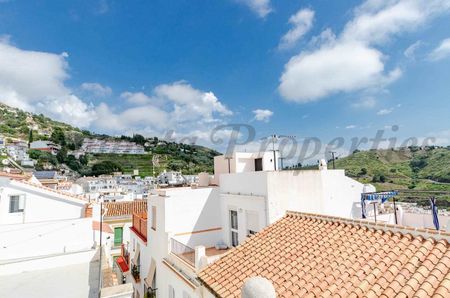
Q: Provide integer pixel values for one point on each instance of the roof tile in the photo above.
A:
(309, 255)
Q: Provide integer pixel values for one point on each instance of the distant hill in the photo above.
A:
(16, 124)
(410, 168)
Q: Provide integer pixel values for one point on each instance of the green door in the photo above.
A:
(118, 233)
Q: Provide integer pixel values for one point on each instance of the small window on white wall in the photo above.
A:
(16, 203)
(171, 292)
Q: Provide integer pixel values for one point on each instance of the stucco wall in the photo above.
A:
(45, 238)
(39, 205)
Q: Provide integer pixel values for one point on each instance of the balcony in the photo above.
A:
(123, 261)
(188, 254)
(136, 272)
(182, 251)
(140, 225)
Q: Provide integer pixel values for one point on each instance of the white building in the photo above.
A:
(116, 147)
(252, 200)
(22, 201)
(182, 230)
(45, 146)
(185, 229)
(103, 188)
(17, 150)
(50, 244)
(240, 162)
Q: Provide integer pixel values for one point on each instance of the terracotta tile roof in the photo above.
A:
(16, 176)
(307, 255)
(106, 228)
(125, 208)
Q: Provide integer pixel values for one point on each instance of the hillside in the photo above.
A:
(414, 169)
(16, 124)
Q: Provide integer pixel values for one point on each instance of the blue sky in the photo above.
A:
(319, 68)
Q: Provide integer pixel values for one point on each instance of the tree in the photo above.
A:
(138, 139)
(61, 156)
(363, 172)
(106, 167)
(73, 163)
(30, 137)
(84, 160)
(58, 136)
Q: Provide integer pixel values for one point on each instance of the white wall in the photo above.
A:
(50, 262)
(250, 183)
(242, 204)
(327, 192)
(242, 162)
(45, 238)
(424, 220)
(271, 194)
(188, 210)
(40, 205)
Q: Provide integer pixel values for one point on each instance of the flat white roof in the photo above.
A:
(71, 281)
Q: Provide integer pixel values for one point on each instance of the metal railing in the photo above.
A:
(183, 251)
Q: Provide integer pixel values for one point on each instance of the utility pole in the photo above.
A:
(274, 138)
(228, 158)
(100, 260)
(332, 154)
(274, 153)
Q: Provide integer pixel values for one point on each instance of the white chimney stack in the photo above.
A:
(323, 164)
(258, 287)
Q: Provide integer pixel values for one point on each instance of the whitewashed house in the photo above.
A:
(186, 229)
(22, 201)
(169, 242)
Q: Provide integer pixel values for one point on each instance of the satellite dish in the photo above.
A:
(5, 162)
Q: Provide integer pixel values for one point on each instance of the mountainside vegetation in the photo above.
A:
(413, 169)
(16, 124)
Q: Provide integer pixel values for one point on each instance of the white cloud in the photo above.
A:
(176, 106)
(442, 51)
(138, 98)
(350, 62)
(351, 126)
(34, 81)
(366, 103)
(410, 52)
(97, 89)
(130, 119)
(262, 115)
(301, 23)
(340, 67)
(190, 103)
(383, 112)
(261, 7)
(377, 21)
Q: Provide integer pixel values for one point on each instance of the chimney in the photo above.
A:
(258, 287)
(200, 252)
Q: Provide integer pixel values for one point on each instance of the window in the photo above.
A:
(154, 218)
(171, 292)
(118, 236)
(16, 203)
(234, 228)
